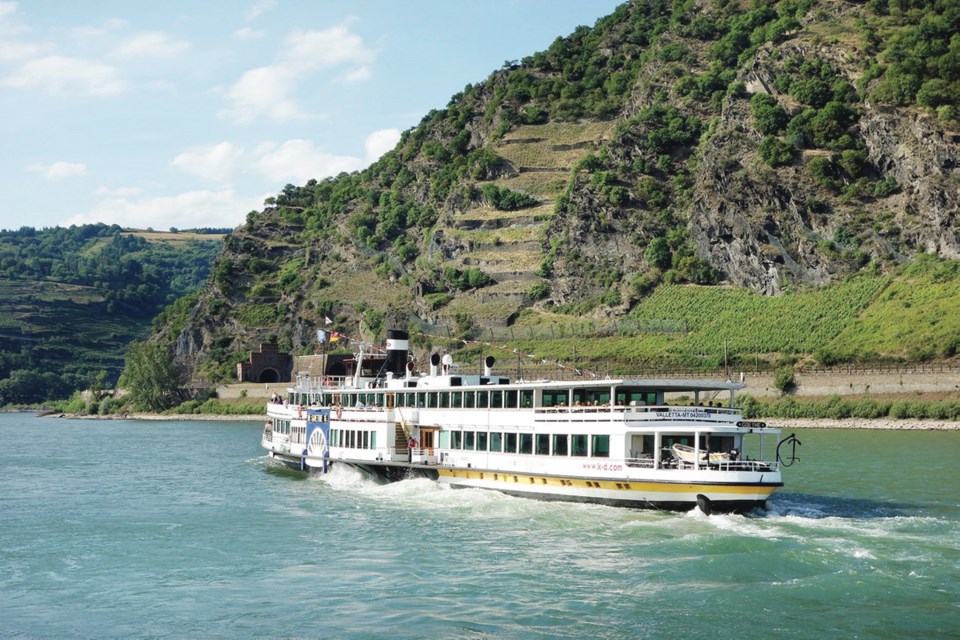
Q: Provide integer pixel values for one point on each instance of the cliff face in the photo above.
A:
(766, 146)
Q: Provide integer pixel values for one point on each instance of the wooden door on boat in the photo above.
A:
(428, 439)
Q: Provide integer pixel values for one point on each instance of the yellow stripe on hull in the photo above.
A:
(606, 491)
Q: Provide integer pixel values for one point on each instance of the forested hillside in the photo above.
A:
(74, 298)
(776, 146)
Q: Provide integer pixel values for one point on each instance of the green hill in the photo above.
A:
(74, 298)
(792, 157)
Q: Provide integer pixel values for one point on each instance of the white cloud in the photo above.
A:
(152, 44)
(297, 161)
(260, 7)
(357, 75)
(246, 33)
(213, 162)
(309, 50)
(270, 91)
(60, 75)
(118, 192)
(262, 92)
(223, 208)
(59, 170)
(379, 142)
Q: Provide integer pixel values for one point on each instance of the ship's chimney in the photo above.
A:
(397, 348)
(488, 365)
(434, 363)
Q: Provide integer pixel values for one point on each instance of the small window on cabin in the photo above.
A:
(496, 442)
(483, 399)
(444, 400)
(469, 440)
(510, 442)
(560, 445)
(600, 446)
(651, 398)
(373, 439)
(469, 398)
(456, 440)
(510, 398)
(379, 400)
(366, 440)
(432, 400)
(526, 399)
(444, 439)
(481, 440)
(456, 400)
(421, 400)
(526, 443)
(578, 443)
(496, 399)
(543, 444)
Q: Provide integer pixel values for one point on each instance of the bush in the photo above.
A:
(784, 379)
(775, 152)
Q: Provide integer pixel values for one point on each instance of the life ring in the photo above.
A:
(339, 412)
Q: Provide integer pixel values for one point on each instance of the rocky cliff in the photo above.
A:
(770, 145)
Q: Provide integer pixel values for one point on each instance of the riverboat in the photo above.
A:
(633, 442)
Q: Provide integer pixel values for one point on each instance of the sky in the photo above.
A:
(189, 114)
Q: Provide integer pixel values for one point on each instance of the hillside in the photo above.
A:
(778, 148)
(74, 298)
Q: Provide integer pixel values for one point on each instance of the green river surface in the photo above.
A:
(140, 529)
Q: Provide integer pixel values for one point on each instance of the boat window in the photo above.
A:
(373, 439)
(366, 440)
(526, 443)
(432, 400)
(468, 399)
(555, 397)
(444, 439)
(560, 445)
(578, 442)
(510, 398)
(510, 442)
(598, 397)
(455, 400)
(483, 399)
(444, 400)
(496, 442)
(526, 398)
(600, 446)
(456, 439)
(481, 440)
(496, 399)
(421, 400)
(543, 444)
(379, 401)
(469, 440)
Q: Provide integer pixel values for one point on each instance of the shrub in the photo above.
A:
(784, 380)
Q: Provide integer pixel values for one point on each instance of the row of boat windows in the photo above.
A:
(496, 399)
(541, 444)
(353, 438)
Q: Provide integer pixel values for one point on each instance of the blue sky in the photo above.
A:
(188, 114)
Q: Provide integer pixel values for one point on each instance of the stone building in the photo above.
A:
(267, 365)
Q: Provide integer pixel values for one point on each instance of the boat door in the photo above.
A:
(428, 440)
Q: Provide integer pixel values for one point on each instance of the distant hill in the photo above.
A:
(73, 298)
(763, 148)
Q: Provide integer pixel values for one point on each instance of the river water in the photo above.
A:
(136, 529)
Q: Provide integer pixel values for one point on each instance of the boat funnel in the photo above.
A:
(398, 346)
(434, 363)
(488, 365)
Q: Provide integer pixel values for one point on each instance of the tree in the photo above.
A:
(768, 116)
(149, 376)
(658, 254)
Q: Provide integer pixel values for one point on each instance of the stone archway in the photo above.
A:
(268, 375)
